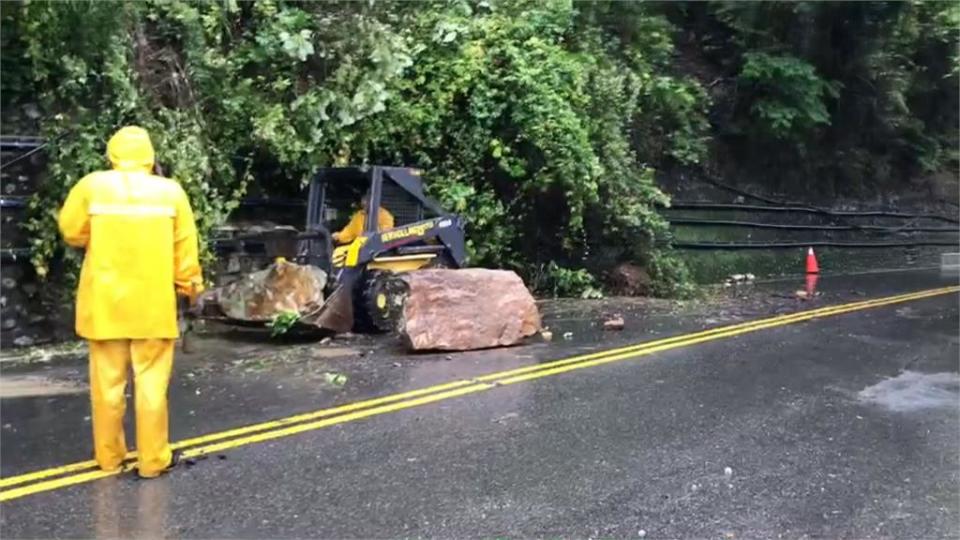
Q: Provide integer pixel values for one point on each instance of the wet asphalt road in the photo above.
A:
(844, 426)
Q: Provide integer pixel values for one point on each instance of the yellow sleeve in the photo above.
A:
(384, 220)
(74, 218)
(353, 229)
(188, 276)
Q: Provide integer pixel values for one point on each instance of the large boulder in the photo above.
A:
(283, 286)
(629, 280)
(475, 308)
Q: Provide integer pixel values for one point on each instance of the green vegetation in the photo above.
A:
(544, 123)
(282, 322)
(788, 98)
(846, 98)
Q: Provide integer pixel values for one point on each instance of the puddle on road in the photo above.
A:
(20, 386)
(913, 391)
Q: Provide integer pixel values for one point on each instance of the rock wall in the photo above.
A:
(31, 311)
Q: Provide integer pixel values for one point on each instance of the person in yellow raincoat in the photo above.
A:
(141, 252)
(358, 220)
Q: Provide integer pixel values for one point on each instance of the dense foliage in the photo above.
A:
(834, 97)
(543, 123)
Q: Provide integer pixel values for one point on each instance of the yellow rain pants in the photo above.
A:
(141, 251)
(152, 361)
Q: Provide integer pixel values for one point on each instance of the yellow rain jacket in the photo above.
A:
(357, 222)
(141, 245)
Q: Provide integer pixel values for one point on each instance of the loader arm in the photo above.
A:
(447, 230)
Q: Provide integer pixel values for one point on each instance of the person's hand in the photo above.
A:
(197, 305)
(191, 293)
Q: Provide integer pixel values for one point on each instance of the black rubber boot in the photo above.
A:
(175, 458)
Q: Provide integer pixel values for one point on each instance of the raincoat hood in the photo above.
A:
(131, 149)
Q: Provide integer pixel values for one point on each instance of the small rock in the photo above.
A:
(325, 340)
(448, 357)
(23, 341)
(614, 323)
(750, 277)
(338, 379)
(801, 295)
(397, 364)
(727, 471)
(568, 335)
(629, 280)
(642, 533)
(546, 335)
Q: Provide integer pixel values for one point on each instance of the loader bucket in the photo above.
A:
(336, 314)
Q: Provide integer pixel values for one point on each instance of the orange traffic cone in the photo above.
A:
(812, 266)
(811, 286)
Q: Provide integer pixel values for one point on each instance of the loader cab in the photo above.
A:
(335, 195)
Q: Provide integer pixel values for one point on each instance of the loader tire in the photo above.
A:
(381, 303)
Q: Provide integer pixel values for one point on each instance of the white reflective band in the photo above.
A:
(131, 210)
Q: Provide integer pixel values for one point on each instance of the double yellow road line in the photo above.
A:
(86, 471)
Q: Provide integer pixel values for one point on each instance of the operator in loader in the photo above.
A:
(141, 252)
(359, 220)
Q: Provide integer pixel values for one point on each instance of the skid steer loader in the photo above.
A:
(361, 288)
